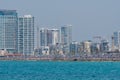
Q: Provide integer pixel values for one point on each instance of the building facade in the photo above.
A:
(55, 36)
(116, 40)
(74, 48)
(44, 37)
(104, 46)
(8, 30)
(87, 46)
(49, 37)
(66, 38)
(26, 35)
(95, 48)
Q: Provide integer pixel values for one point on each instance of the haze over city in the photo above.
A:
(88, 17)
(59, 39)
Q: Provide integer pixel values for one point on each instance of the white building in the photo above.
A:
(55, 36)
(26, 35)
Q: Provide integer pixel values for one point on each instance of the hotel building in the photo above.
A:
(8, 30)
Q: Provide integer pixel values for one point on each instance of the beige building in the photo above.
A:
(87, 46)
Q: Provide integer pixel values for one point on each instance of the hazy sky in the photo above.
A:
(88, 17)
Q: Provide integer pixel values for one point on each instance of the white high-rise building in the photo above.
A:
(55, 36)
(26, 35)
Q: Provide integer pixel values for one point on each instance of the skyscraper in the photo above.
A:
(43, 37)
(26, 35)
(8, 30)
(66, 37)
(55, 36)
(116, 40)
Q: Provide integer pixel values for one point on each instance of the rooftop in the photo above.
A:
(8, 12)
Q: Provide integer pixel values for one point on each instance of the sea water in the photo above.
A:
(59, 70)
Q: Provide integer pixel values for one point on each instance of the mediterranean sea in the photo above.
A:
(59, 70)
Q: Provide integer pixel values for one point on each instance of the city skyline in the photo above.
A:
(48, 40)
(59, 39)
(88, 18)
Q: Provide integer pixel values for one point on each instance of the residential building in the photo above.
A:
(87, 46)
(55, 36)
(95, 48)
(43, 37)
(26, 35)
(74, 48)
(116, 40)
(49, 37)
(104, 46)
(66, 38)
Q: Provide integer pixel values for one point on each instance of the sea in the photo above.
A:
(59, 70)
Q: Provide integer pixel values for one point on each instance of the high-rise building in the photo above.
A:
(49, 37)
(26, 35)
(116, 40)
(8, 30)
(66, 37)
(55, 36)
(43, 37)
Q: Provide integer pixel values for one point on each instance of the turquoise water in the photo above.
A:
(55, 70)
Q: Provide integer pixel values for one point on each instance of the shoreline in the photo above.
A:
(62, 59)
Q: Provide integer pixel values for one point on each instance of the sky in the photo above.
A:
(89, 18)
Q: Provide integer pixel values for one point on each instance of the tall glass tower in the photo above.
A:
(26, 35)
(8, 30)
(66, 37)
